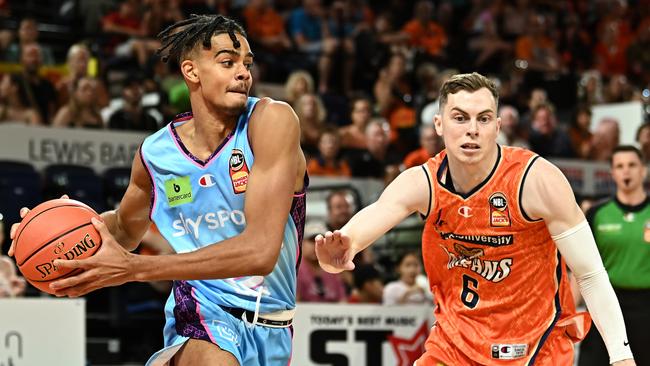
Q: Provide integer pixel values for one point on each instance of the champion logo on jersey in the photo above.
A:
(465, 211)
(207, 180)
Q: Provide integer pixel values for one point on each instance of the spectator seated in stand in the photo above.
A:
(328, 161)
(299, 83)
(547, 138)
(605, 138)
(314, 284)
(12, 106)
(28, 34)
(77, 66)
(368, 285)
(36, 90)
(82, 110)
(353, 136)
(378, 158)
(430, 145)
(311, 114)
(510, 133)
(409, 287)
(132, 116)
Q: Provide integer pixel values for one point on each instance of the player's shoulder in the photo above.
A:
(545, 190)
(268, 107)
(515, 153)
(270, 114)
(155, 138)
(543, 170)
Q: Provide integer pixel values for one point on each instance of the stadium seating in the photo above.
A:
(115, 182)
(20, 186)
(78, 182)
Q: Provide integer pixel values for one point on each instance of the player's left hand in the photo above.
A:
(112, 265)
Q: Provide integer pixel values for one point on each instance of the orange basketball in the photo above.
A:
(56, 229)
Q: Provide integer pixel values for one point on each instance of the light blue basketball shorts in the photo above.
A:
(252, 345)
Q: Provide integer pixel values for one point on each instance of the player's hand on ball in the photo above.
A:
(14, 228)
(334, 252)
(112, 265)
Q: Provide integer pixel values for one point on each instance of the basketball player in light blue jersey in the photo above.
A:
(225, 185)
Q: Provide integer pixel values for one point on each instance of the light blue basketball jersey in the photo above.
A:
(198, 203)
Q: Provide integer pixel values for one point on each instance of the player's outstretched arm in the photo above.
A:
(548, 195)
(408, 193)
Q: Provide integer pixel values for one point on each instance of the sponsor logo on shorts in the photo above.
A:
(178, 191)
(225, 332)
(509, 351)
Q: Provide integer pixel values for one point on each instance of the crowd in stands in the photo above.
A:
(362, 76)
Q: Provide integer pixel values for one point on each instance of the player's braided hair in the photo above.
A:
(183, 36)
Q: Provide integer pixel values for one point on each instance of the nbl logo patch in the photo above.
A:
(238, 171)
(499, 213)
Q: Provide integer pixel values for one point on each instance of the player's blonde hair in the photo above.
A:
(469, 82)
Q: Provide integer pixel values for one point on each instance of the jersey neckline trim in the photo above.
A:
(449, 184)
(191, 157)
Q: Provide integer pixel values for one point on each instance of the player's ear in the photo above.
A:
(437, 123)
(498, 124)
(189, 71)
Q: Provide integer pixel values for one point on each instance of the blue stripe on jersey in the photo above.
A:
(558, 310)
(198, 203)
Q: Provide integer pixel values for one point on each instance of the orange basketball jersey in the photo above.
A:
(499, 282)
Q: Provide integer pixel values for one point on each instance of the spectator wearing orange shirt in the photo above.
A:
(611, 51)
(430, 145)
(265, 26)
(328, 163)
(394, 96)
(425, 34)
(536, 48)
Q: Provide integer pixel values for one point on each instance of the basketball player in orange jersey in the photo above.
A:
(500, 223)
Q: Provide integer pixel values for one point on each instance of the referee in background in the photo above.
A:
(621, 226)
